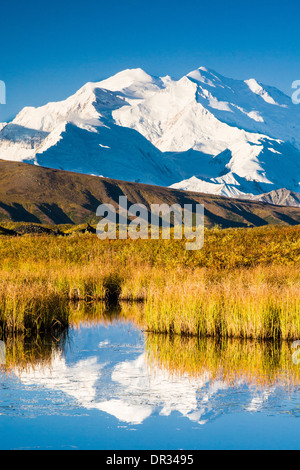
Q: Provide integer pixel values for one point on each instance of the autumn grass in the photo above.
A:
(243, 283)
(255, 303)
(233, 361)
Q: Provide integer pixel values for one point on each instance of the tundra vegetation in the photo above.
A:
(244, 283)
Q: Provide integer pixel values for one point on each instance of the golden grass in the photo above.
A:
(244, 282)
(234, 361)
(257, 303)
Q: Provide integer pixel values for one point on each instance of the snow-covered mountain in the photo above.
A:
(79, 134)
(282, 197)
(203, 133)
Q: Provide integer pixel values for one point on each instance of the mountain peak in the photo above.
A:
(205, 75)
(124, 79)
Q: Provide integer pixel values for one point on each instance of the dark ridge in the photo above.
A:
(33, 194)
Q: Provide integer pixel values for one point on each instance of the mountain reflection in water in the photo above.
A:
(107, 363)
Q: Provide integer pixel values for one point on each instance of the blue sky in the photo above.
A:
(49, 50)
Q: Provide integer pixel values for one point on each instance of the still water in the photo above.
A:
(109, 385)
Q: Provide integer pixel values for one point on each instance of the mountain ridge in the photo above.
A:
(52, 196)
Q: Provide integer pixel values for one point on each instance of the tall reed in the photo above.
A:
(243, 283)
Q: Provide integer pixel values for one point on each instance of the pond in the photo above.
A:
(107, 384)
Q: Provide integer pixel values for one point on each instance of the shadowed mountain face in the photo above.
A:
(35, 194)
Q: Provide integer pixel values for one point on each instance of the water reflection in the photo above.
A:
(233, 361)
(106, 363)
